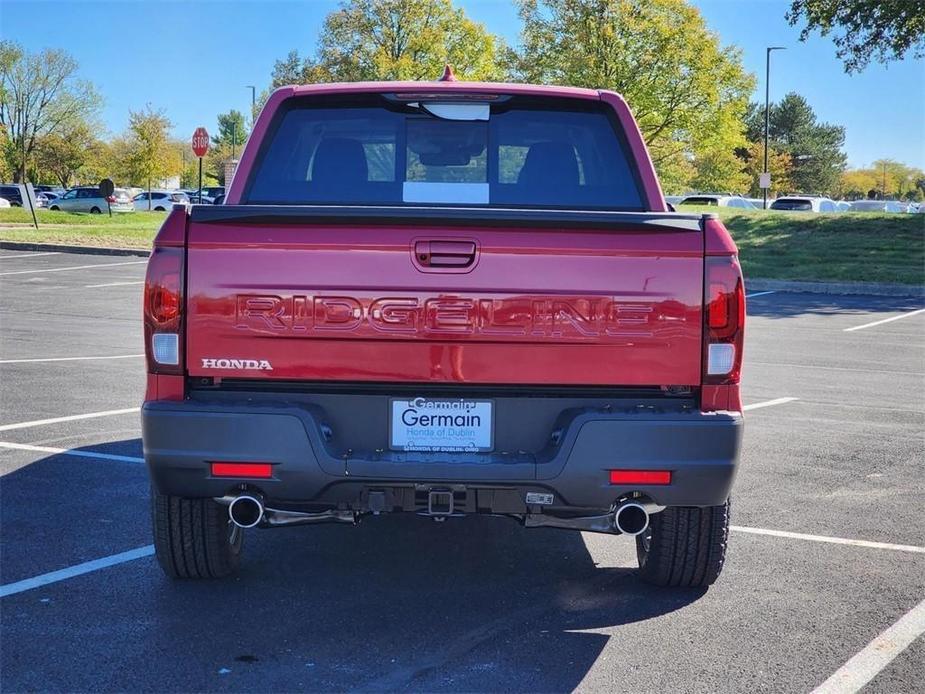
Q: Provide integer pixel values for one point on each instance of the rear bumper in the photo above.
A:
(181, 438)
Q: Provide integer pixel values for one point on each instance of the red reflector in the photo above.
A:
(640, 476)
(242, 470)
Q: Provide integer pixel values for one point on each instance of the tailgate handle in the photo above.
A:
(445, 253)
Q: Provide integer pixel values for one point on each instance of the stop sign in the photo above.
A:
(200, 142)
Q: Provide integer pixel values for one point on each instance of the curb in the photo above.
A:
(844, 288)
(90, 250)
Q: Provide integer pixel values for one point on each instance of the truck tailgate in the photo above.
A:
(292, 296)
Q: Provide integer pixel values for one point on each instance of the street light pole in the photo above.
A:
(253, 99)
(767, 108)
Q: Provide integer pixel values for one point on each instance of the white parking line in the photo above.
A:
(767, 403)
(832, 540)
(69, 418)
(31, 361)
(73, 267)
(77, 570)
(69, 451)
(885, 320)
(879, 653)
(28, 255)
(111, 284)
(751, 296)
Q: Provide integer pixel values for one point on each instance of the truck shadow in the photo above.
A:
(398, 602)
(474, 604)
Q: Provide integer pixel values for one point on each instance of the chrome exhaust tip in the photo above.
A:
(246, 511)
(631, 518)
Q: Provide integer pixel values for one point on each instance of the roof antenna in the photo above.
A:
(448, 74)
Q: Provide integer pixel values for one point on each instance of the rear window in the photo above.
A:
(523, 153)
(694, 200)
(792, 205)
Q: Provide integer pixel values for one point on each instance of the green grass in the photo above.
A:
(124, 230)
(772, 245)
(834, 247)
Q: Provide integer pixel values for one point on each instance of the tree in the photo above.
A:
(675, 172)
(149, 152)
(288, 70)
(885, 179)
(881, 30)
(779, 166)
(231, 123)
(720, 170)
(65, 155)
(688, 92)
(396, 40)
(855, 183)
(40, 95)
(815, 148)
(894, 179)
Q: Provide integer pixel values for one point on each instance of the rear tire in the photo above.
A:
(684, 547)
(95, 210)
(54, 208)
(194, 538)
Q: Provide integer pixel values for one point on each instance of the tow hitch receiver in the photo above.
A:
(440, 502)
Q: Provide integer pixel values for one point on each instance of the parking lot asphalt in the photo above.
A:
(476, 604)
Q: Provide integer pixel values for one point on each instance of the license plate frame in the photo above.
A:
(413, 437)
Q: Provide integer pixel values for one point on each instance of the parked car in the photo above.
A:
(11, 194)
(193, 196)
(161, 200)
(804, 203)
(43, 188)
(719, 200)
(219, 200)
(89, 199)
(349, 337)
(876, 206)
(123, 197)
(213, 191)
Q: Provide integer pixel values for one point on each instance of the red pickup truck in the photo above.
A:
(447, 299)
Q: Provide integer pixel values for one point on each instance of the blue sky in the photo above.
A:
(195, 58)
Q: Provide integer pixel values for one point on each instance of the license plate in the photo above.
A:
(441, 425)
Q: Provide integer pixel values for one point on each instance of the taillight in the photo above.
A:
(724, 323)
(111, 198)
(163, 311)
